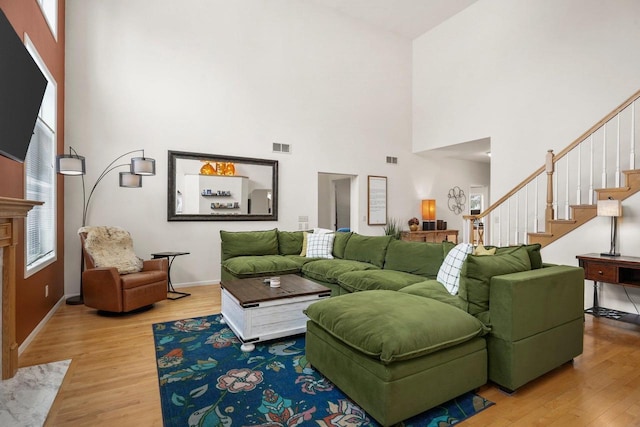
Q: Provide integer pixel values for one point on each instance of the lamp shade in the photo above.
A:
(130, 180)
(429, 210)
(143, 166)
(609, 207)
(70, 164)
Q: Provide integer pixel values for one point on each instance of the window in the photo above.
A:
(50, 12)
(40, 179)
(40, 183)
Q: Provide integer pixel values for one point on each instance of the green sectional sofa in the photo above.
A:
(396, 341)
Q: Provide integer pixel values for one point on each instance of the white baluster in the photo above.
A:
(536, 204)
(517, 214)
(465, 231)
(526, 214)
(499, 225)
(618, 151)
(509, 221)
(566, 190)
(604, 157)
(632, 160)
(591, 169)
(579, 181)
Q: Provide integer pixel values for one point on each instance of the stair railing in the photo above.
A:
(567, 179)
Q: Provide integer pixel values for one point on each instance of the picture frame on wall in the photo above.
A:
(376, 200)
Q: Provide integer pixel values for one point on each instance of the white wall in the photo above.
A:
(532, 75)
(432, 178)
(231, 78)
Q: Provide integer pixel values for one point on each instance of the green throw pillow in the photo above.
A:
(478, 270)
(340, 243)
(423, 259)
(290, 242)
(446, 248)
(238, 243)
(534, 255)
(533, 250)
(370, 249)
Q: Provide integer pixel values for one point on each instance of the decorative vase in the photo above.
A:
(220, 168)
(207, 169)
(413, 227)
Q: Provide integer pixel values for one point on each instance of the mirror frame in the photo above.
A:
(171, 190)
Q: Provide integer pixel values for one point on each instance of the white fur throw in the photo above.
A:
(111, 247)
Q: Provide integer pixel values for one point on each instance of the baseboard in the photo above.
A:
(202, 283)
(38, 328)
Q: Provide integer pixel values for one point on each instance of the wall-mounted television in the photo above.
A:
(22, 87)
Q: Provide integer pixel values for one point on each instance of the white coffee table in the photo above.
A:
(256, 312)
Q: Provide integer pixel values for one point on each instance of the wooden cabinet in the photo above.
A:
(434, 236)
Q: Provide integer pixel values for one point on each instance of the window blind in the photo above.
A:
(40, 185)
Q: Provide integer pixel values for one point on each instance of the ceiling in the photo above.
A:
(407, 18)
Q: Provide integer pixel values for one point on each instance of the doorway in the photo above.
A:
(478, 196)
(334, 201)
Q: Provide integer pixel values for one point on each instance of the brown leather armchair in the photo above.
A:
(105, 289)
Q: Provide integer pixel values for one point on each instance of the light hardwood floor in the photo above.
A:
(112, 380)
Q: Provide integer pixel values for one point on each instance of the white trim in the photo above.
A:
(43, 67)
(199, 283)
(31, 270)
(52, 21)
(39, 327)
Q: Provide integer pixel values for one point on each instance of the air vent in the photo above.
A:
(392, 160)
(281, 148)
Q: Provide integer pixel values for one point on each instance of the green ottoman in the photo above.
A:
(396, 354)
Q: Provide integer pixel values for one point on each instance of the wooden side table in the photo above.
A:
(171, 256)
(433, 236)
(620, 270)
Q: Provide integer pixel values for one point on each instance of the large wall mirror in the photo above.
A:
(211, 187)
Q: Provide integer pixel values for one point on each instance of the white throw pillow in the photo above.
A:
(449, 273)
(320, 245)
(321, 231)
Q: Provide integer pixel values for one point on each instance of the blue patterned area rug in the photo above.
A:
(206, 380)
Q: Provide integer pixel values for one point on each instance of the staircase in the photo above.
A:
(562, 195)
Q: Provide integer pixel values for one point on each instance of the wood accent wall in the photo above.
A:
(31, 304)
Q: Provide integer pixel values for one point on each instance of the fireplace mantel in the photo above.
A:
(10, 211)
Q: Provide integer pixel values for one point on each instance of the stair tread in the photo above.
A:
(541, 234)
(563, 221)
(613, 189)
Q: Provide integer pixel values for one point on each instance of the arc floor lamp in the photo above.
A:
(73, 164)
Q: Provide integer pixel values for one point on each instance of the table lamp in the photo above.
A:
(429, 214)
(611, 208)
